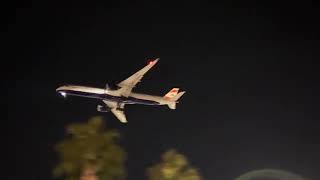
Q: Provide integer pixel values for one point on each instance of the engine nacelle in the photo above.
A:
(102, 108)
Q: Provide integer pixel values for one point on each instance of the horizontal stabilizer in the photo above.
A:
(178, 96)
(172, 105)
(174, 100)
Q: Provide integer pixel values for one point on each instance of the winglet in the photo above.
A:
(153, 62)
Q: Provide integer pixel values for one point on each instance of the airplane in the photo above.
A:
(116, 98)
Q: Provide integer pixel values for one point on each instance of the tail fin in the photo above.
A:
(174, 100)
(172, 93)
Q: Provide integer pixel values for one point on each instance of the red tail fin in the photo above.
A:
(172, 93)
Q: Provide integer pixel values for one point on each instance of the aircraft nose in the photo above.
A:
(61, 91)
(60, 88)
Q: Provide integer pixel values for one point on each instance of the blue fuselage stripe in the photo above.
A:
(119, 99)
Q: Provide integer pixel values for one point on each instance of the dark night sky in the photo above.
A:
(250, 72)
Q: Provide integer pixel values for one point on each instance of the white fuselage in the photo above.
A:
(112, 95)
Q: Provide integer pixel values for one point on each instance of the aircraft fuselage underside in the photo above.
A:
(107, 97)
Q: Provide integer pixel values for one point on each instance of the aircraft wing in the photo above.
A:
(120, 115)
(116, 110)
(129, 83)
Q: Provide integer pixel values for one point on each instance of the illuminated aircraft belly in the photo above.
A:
(119, 99)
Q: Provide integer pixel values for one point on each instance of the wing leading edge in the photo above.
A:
(128, 84)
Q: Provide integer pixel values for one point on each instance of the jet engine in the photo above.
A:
(102, 108)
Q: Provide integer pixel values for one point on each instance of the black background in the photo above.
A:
(250, 71)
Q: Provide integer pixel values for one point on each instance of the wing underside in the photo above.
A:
(120, 115)
(117, 110)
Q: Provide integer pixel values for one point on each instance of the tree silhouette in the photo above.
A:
(173, 166)
(90, 153)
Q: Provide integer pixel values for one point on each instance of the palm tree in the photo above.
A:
(173, 166)
(90, 153)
